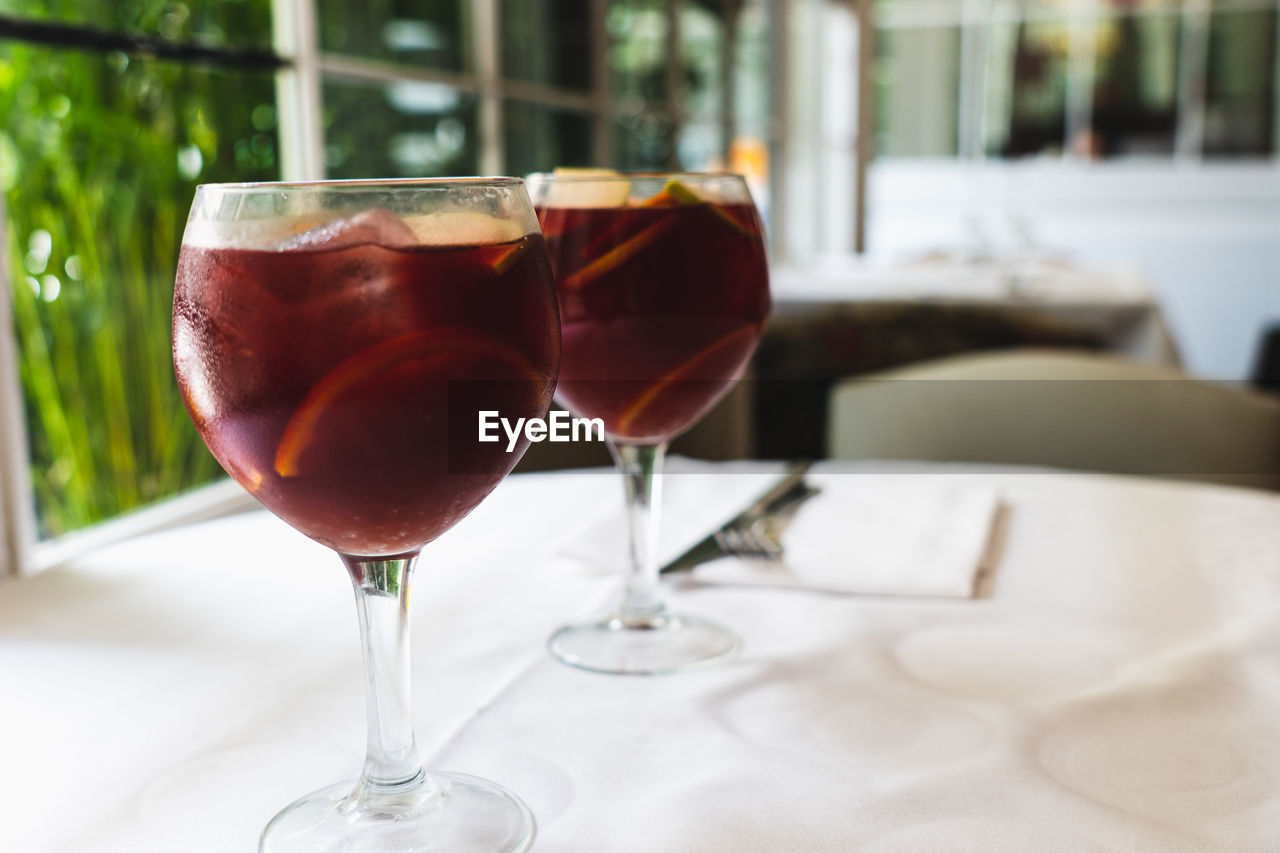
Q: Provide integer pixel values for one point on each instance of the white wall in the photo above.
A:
(1206, 236)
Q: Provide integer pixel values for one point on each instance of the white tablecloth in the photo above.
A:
(1118, 689)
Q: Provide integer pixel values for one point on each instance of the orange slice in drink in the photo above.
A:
(697, 368)
(618, 232)
(617, 256)
(422, 349)
(503, 257)
(676, 194)
(673, 194)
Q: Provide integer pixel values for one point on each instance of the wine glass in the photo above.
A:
(334, 342)
(664, 291)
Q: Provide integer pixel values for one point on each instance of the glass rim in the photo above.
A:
(369, 183)
(686, 177)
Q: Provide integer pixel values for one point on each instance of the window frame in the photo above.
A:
(301, 69)
(17, 503)
(297, 39)
(21, 550)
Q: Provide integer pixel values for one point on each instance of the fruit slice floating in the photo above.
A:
(462, 228)
(504, 257)
(618, 255)
(673, 194)
(609, 189)
(676, 194)
(695, 369)
(426, 346)
(624, 227)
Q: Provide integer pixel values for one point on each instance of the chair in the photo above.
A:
(1060, 409)
(1266, 367)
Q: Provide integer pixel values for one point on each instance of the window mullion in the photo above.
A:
(974, 27)
(602, 106)
(1081, 64)
(547, 96)
(298, 99)
(1193, 73)
(779, 125)
(863, 131)
(487, 35)
(675, 83)
(362, 70)
(732, 12)
(17, 511)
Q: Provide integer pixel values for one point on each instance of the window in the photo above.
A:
(921, 120)
(1098, 80)
(1240, 97)
(418, 33)
(398, 129)
(111, 112)
(100, 150)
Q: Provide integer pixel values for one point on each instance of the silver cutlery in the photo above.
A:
(754, 533)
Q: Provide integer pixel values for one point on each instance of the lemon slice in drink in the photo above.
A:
(468, 228)
(462, 228)
(609, 189)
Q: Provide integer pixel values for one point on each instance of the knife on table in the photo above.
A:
(790, 488)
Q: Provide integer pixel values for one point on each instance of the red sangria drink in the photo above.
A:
(335, 374)
(661, 304)
(335, 343)
(664, 291)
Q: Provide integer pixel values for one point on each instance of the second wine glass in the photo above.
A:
(663, 288)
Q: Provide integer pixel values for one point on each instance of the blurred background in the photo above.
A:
(939, 178)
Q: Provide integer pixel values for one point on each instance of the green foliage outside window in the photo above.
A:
(244, 23)
(100, 154)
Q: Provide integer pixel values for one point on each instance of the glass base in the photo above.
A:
(452, 812)
(654, 646)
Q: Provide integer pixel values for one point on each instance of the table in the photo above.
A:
(1111, 308)
(843, 317)
(1118, 689)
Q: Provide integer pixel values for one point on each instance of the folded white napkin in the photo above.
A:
(868, 533)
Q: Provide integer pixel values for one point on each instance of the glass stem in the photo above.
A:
(642, 605)
(392, 768)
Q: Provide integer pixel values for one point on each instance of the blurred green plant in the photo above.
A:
(99, 158)
(245, 23)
